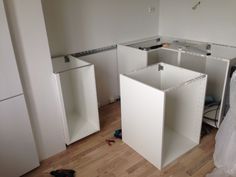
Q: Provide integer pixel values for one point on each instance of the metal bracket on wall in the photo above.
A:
(94, 51)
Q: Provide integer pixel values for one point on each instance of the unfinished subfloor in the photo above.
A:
(93, 157)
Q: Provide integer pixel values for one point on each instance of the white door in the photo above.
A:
(9, 77)
(17, 147)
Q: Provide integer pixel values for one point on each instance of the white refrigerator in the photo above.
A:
(18, 153)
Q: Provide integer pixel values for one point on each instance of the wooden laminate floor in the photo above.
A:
(93, 157)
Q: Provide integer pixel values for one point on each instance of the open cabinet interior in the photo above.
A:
(217, 71)
(194, 59)
(163, 55)
(79, 100)
(163, 76)
(168, 103)
(183, 119)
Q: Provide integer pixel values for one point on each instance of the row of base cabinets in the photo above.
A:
(132, 58)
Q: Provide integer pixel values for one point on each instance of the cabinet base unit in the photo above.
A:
(191, 55)
(217, 72)
(161, 111)
(78, 97)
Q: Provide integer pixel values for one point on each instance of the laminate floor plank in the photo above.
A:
(93, 157)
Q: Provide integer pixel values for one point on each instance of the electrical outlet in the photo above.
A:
(151, 9)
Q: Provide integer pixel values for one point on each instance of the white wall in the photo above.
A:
(78, 25)
(213, 20)
(30, 42)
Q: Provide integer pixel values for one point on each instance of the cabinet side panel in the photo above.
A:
(153, 56)
(105, 64)
(90, 100)
(216, 71)
(59, 90)
(130, 59)
(163, 55)
(142, 112)
(173, 76)
(185, 109)
(193, 62)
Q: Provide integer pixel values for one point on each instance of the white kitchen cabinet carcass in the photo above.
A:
(161, 111)
(18, 153)
(130, 59)
(78, 97)
(217, 71)
(161, 55)
(138, 55)
(190, 55)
